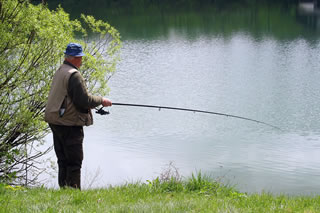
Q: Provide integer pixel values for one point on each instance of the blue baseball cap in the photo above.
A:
(74, 49)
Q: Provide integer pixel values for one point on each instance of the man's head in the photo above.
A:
(73, 54)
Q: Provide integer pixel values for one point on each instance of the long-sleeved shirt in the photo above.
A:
(78, 93)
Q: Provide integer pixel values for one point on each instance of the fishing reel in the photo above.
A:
(101, 111)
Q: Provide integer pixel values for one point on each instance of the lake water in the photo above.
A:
(271, 75)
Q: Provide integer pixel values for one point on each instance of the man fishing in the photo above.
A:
(69, 109)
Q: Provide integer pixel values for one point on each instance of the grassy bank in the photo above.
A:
(196, 194)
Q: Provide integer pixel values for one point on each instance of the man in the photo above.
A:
(68, 110)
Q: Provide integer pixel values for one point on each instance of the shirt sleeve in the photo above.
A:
(79, 95)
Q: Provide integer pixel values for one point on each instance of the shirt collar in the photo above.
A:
(68, 63)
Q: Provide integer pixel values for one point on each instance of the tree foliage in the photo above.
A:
(31, 49)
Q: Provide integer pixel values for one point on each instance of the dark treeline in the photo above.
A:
(127, 3)
(165, 4)
(95, 7)
(154, 18)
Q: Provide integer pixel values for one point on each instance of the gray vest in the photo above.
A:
(58, 99)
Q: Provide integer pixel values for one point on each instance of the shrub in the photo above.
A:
(31, 49)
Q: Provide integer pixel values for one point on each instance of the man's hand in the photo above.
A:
(106, 102)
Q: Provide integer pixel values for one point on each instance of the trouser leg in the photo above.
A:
(62, 176)
(58, 142)
(69, 151)
(74, 155)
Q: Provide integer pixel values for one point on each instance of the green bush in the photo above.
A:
(31, 49)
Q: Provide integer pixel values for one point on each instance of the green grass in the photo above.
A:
(196, 194)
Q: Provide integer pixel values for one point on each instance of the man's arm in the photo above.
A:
(80, 97)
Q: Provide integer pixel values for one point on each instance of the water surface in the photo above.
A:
(251, 66)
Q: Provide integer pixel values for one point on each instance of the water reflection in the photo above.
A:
(308, 13)
(223, 18)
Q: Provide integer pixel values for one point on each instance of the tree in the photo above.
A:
(31, 49)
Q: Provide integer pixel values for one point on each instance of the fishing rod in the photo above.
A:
(101, 111)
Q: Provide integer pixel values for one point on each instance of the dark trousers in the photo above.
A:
(68, 142)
